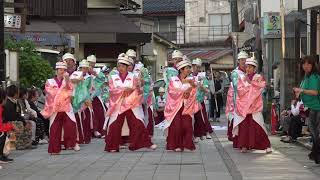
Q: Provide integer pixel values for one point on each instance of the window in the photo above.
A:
(219, 24)
(167, 28)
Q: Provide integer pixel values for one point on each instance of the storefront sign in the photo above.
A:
(271, 25)
(12, 21)
(45, 39)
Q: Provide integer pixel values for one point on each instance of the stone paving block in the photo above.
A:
(93, 163)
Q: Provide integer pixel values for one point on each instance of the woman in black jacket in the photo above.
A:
(12, 113)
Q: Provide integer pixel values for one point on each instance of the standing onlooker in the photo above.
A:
(4, 128)
(216, 89)
(309, 93)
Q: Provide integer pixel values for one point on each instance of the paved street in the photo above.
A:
(212, 160)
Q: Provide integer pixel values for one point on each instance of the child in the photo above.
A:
(160, 104)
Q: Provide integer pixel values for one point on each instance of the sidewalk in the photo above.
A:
(93, 163)
(285, 163)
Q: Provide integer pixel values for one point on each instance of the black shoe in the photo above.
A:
(311, 156)
(32, 147)
(34, 143)
(316, 158)
(5, 159)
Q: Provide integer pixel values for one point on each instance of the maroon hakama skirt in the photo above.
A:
(98, 116)
(80, 139)
(62, 121)
(159, 118)
(251, 135)
(86, 124)
(139, 136)
(180, 132)
(150, 125)
(206, 119)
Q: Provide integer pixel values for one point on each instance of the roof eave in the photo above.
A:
(164, 41)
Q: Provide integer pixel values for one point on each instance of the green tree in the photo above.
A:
(33, 69)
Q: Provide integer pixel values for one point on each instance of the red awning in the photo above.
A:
(207, 55)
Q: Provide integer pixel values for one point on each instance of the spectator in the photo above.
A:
(295, 121)
(12, 114)
(216, 89)
(160, 104)
(27, 113)
(42, 123)
(309, 93)
(4, 128)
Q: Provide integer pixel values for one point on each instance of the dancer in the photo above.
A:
(250, 127)
(179, 109)
(98, 109)
(171, 70)
(146, 81)
(202, 126)
(233, 93)
(125, 103)
(81, 101)
(59, 110)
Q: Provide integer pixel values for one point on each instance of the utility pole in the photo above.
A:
(283, 32)
(2, 53)
(297, 42)
(313, 32)
(234, 27)
(234, 15)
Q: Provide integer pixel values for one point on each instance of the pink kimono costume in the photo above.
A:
(59, 110)
(87, 119)
(84, 115)
(250, 128)
(98, 108)
(232, 97)
(147, 105)
(179, 111)
(127, 108)
(202, 125)
(150, 125)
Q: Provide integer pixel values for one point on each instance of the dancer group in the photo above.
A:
(119, 104)
(244, 105)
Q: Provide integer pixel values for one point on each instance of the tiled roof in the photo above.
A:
(162, 6)
(208, 55)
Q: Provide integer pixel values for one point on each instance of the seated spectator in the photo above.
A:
(4, 128)
(295, 121)
(42, 132)
(12, 113)
(27, 113)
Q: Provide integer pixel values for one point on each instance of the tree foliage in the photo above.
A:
(33, 69)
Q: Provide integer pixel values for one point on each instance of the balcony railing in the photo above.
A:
(206, 34)
(171, 36)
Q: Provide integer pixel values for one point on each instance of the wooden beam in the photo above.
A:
(14, 5)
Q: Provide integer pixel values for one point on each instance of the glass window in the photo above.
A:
(219, 24)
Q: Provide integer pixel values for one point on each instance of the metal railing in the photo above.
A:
(204, 34)
(171, 36)
(198, 34)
